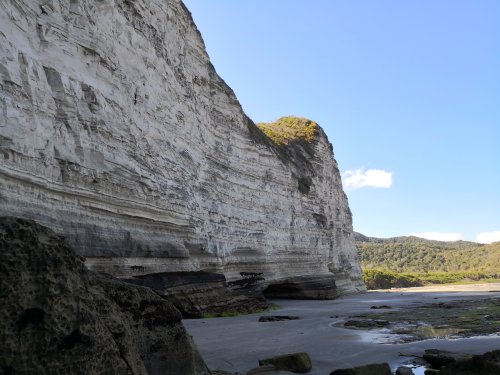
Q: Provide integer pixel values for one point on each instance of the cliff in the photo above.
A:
(116, 132)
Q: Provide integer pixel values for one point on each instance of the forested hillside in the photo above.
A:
(412, 261)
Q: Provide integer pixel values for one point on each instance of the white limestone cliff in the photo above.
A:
(116, 131)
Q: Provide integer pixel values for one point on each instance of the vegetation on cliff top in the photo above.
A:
(290, 129)
(413, 261)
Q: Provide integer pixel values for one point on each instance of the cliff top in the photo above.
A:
(290, 129)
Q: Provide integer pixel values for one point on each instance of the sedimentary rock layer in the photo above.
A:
(303, 287)
(199, 294)
(116, 131)
(59, 318)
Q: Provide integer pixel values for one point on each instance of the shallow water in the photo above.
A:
(419, 370)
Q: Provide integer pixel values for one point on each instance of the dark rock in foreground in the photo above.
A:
(265, 370)
(403, 370)
(464, 364)
(372, 369)
(222, 372)
(59, 318)
(303, 287)
(198, 294)
(297, 362)
(439, 358)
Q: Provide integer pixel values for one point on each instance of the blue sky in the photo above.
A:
(408, 93)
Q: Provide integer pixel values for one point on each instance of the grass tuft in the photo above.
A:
(290, 129)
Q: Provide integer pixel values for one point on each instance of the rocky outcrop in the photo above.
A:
(484, 364)
(403, 370)
(199, 294)
(438, 358)
(116, 132)
(59, 318)
(277, 318)
(303, 287)
(296, 362)
(451, 363)
(372, 369)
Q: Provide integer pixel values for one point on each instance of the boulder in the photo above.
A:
(485, 364)
(366, 323)
(59, 318)
(268, 370)
(296, 362)
(403, 370)
(371, 369)
(439, 358)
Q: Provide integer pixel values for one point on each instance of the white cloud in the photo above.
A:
(437, 236)
(357, 178)
(488, 237)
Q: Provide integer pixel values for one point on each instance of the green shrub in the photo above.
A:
(383, 279)
(412, 254)
(378, 279)
(290, 129)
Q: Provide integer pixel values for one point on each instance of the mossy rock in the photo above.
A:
(296, 362)
(371, 369)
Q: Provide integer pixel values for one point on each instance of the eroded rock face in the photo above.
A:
(59, 318)
(303, 287)
(117, 132)
(199, 294)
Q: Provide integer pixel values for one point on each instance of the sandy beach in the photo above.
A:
(236, 344)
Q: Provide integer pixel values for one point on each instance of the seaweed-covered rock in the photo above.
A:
(403, 370)
(485, 364)
(371, 369)
(439, 358)
(57, 317)
(296, 362)
(366, 323)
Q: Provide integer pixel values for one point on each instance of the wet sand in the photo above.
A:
(236, 344)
